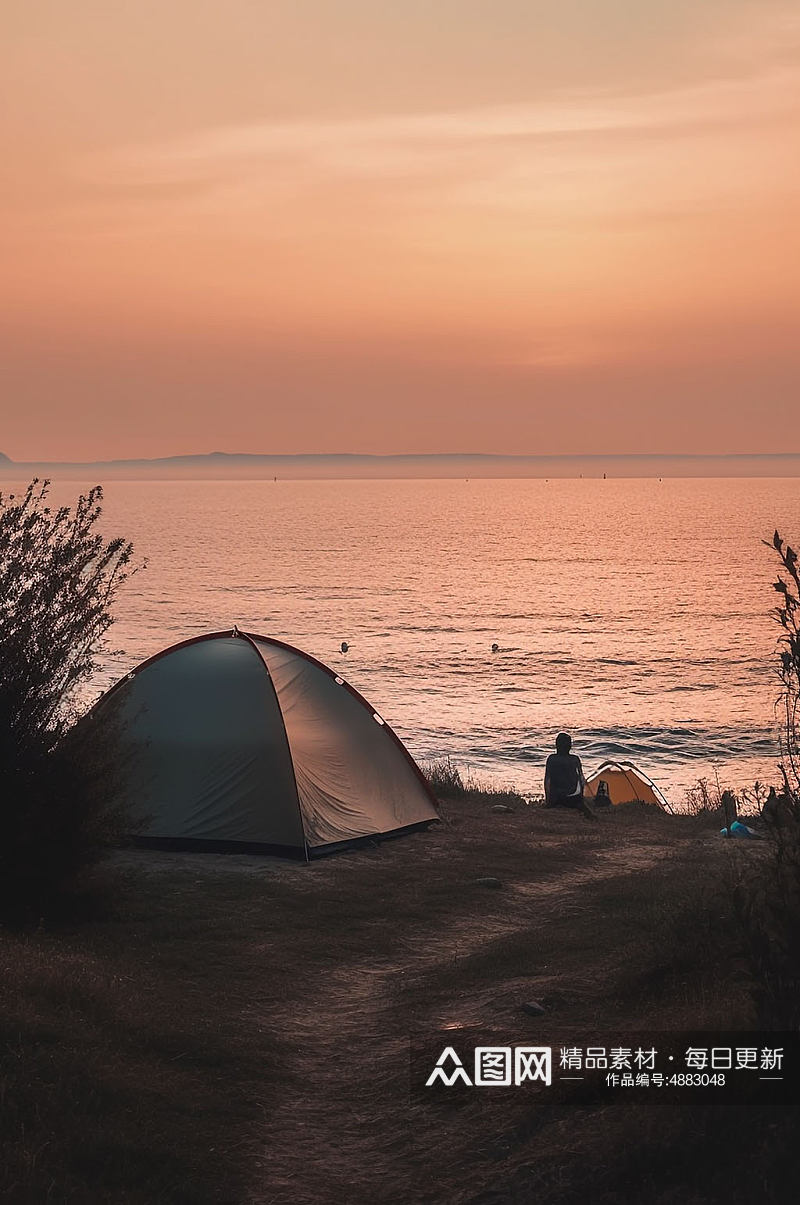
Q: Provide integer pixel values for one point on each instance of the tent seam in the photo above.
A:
(246, 636)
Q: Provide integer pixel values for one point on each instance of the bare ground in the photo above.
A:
(247, 1021)
(351, 1036)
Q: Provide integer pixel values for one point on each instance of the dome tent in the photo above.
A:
(626, 784)
(238, 742)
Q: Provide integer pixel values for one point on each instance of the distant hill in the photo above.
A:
(341, 465)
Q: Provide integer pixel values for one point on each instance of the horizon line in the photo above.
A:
(6, 461)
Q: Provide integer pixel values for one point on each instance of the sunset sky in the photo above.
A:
(507, 226)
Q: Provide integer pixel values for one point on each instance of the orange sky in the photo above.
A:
(450, 225)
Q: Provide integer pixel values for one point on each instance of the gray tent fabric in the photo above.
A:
(236, 741)
(351, 779)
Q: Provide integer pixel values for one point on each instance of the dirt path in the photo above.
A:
(349, 1036)
(237, 1030)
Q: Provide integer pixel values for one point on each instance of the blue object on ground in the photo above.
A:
(737, 829)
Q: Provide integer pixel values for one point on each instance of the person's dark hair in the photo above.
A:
(563, 742)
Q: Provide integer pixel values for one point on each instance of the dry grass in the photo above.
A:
(238, 1031)
(449, 782)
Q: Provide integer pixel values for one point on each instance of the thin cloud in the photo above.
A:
(398, 142)
(581, 159)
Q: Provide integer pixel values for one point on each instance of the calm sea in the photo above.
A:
(633, 613)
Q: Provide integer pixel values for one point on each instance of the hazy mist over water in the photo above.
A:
(633, 613)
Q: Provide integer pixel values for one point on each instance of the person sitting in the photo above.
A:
(778, 809)
(563, 778)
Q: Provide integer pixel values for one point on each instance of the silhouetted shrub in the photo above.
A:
(703, 799)
(58, 581)
(768, 896)
(787, 614)
(709, 801)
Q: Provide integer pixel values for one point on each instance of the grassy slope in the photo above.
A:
(239, 1030)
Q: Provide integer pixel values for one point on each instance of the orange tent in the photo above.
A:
(625, 784)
